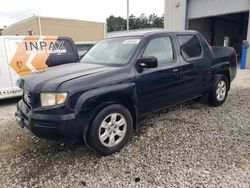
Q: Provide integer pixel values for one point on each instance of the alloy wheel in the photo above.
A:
(221, 90)
(113, 129)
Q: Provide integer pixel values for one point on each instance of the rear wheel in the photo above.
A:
(110, 130)
(218, 94)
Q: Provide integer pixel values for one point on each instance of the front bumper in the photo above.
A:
(48, 126)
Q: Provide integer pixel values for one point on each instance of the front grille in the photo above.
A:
(27, 98)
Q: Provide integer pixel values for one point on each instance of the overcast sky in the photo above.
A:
(12, 11)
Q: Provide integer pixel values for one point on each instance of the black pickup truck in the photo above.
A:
(120, 79)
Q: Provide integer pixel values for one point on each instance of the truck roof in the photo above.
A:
(148, 33)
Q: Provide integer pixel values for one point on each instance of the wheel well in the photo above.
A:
(226, 73)
(105, 101)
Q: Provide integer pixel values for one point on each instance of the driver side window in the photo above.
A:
(161, 48)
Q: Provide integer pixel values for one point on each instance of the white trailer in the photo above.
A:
(22, 55)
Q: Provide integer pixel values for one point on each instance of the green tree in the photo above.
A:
(116, 23)
(151, 18)
(142, 21)
(158, 22)
(132, 22)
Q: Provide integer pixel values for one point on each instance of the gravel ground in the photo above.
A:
(191, 145)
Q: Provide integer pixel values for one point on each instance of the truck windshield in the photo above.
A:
(116, 51)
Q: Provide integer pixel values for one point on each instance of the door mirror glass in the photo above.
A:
(148, 62)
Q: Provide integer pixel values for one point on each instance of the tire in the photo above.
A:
(110, 130)
(218, 94)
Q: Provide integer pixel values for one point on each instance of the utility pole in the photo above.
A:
(127, 15)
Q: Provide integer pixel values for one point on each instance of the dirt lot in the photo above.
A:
(191, 145)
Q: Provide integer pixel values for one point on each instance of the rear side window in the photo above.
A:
(190, 46)
(161, 48)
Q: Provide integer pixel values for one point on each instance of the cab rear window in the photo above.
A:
(190, 46)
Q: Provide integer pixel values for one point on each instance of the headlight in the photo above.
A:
(50, 99)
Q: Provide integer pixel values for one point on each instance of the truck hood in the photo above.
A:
(50, 79)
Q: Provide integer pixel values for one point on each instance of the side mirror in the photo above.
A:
(148, 62)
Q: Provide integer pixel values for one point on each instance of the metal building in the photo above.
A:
(222, 22)
(77, 29)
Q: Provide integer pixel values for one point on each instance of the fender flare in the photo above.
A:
(84, 101)
(89, 99)
(223, 66)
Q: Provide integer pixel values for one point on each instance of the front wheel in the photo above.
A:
(218, 94)
(110, 130)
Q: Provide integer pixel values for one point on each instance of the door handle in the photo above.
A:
(175, 70)
(175, 73)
